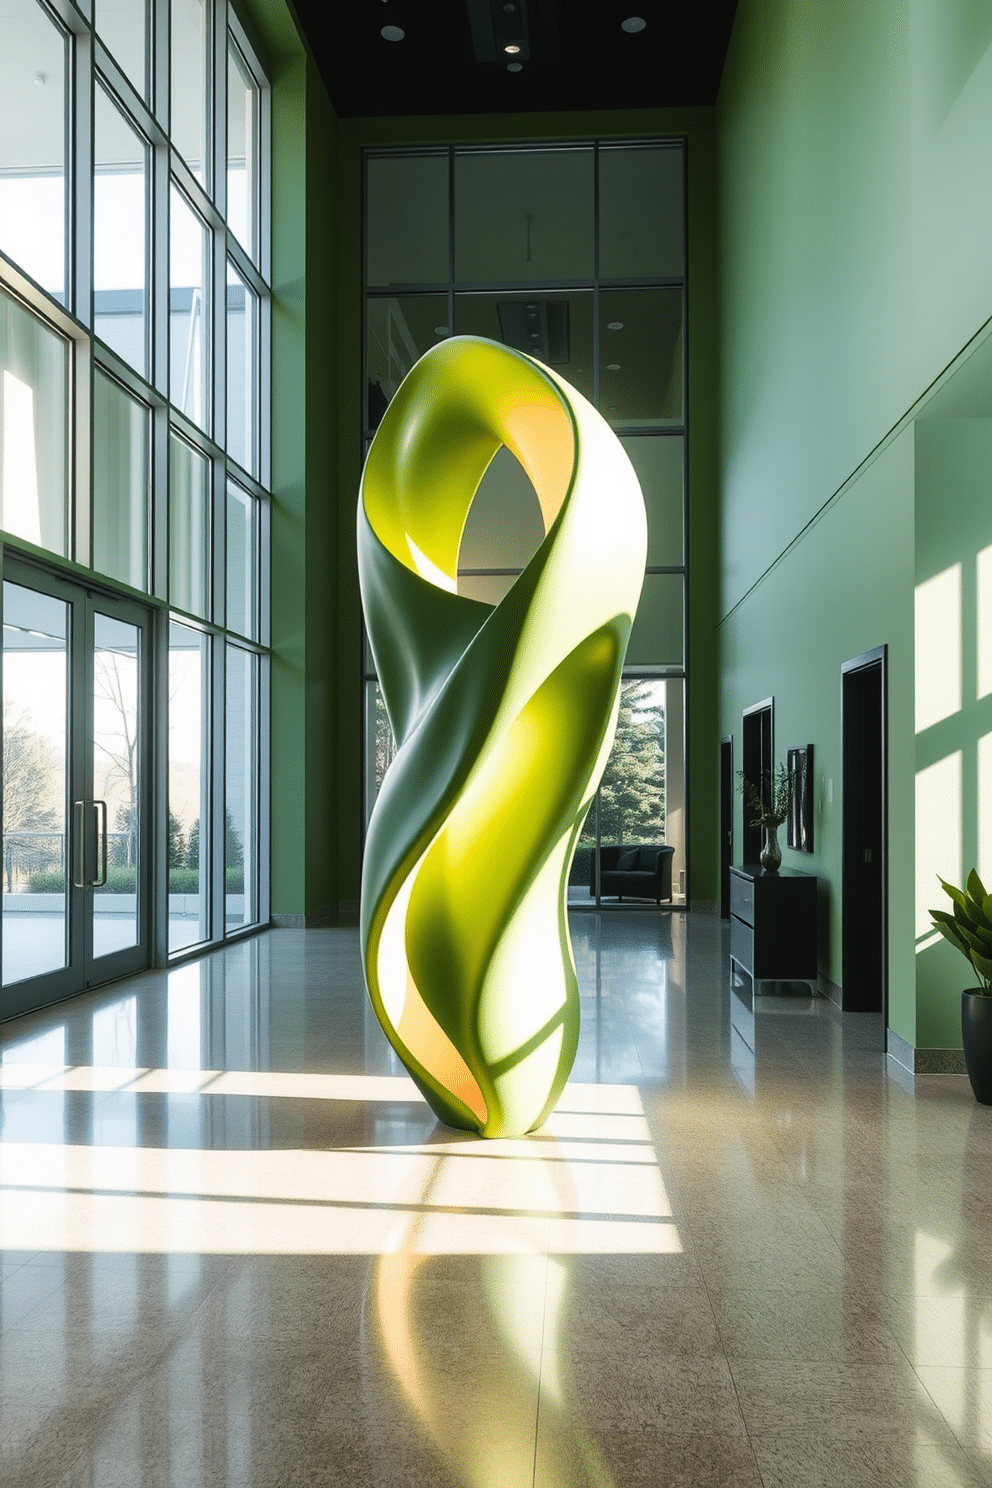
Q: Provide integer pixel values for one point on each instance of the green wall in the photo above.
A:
(855, 264)
(697, 126)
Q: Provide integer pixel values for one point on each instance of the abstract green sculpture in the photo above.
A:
(503, 717)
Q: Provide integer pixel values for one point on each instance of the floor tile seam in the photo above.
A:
(540, 1368)
(740, 1408)
(968, 1451)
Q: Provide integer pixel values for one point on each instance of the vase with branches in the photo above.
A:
(767, 804)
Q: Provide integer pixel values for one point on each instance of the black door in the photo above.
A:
(726, 821)
(757, 764)
(863, 818)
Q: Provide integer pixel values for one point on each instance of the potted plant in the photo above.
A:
(769, 816)
(969, 928)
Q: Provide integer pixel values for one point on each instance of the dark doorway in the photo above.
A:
(757, 764)
(864, 962)
(726, 821)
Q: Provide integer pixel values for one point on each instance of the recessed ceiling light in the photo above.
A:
(396, 33)
(613, 366)
(511, 48)
(440, 330)
(514, 67)
(614, 325)
(634, 23)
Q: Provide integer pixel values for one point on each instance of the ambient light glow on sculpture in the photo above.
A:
(504, 719)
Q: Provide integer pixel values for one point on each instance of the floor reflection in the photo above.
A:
(236, 1247)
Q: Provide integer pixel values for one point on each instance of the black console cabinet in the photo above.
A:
(773, 923)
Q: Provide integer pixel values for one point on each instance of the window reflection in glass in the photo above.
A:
(120, 483)
(657, 460)
(122, 26)
(34, 451)
(189, 311)
(242, 151)
(242, 562)
(189, 528)
(641, 232)
(35, 808)
(640, 374)
(242, 372)
(190, 51)
(407, 205)
(241, 789)
(188, 794)
(524, 215)
(657, 638)
(33, 196)
(120, 214)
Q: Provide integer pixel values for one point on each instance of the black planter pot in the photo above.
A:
(976, 1035)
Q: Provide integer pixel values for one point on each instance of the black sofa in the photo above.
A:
(639, 872)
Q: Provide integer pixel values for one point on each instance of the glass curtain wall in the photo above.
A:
(134, 404)
(573, 253)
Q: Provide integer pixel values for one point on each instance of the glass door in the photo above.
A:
(76, 903)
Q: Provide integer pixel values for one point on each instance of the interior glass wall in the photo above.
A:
(134, 404)
(574, 254)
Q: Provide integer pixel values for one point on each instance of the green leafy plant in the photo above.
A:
(774, 813)
(969, 927)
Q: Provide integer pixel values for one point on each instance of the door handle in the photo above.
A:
(99, 810)
(78, 846)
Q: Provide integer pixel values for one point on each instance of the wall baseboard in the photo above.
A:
(704, 906)
(924, 1061)
(316, 920)
(826, 988)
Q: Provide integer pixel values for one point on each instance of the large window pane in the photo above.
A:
(242, 562)
(34, 453)
(400, 328)
(632, 791)
(190, 51)
(33, 197)
(189, 311)
(524, 215)
(120, 213)
(641, 798)
(122, 26)
(243, 200)
(189, 528)
(242, 372)
(641, 231)
(117, 725)
(35, 806)
(640, 353)
(657, 638)
(189, 802)
(553, 326)
(657, 461)
(241, 789)
(407, 219)
(120, 483)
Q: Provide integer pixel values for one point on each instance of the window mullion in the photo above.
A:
(79, 284)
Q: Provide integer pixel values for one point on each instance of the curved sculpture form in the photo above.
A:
(504, 719)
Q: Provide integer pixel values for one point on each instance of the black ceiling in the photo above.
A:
(575, 55)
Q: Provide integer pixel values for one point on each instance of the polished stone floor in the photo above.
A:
(236, 1248)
